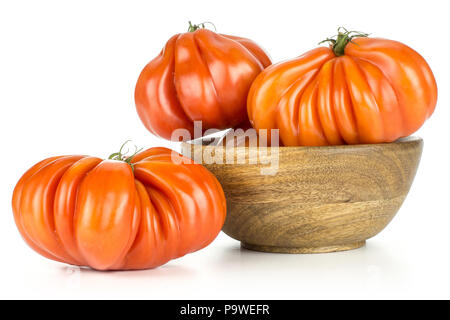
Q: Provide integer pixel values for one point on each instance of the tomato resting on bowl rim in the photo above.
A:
(358, 90)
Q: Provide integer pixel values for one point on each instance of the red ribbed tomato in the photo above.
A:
(198, 76)
(111, 214)
(359, 90)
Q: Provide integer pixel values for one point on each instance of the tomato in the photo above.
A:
(118, 214)
(358, 90)
(198, 76)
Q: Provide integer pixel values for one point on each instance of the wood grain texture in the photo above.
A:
(321, 199)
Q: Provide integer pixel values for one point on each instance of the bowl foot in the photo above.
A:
(273, 249)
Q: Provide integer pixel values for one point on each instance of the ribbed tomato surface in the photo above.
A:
(377, 91)
(107, 215)
(198, 76)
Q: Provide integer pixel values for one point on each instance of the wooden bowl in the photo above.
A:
(321, 199)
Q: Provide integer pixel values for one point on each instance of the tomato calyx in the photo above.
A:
(122, 155)
(194, 27)
(340, 41)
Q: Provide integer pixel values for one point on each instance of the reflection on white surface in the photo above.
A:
(224, 270)
(361, 270)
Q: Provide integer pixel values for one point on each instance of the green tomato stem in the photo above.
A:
(194, 27)
(340, 41)
(122, 156)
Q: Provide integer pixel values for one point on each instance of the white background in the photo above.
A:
(67, 76)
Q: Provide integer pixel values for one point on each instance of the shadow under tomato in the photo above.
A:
(169, 270)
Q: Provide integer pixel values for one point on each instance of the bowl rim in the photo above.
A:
(401, 141)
